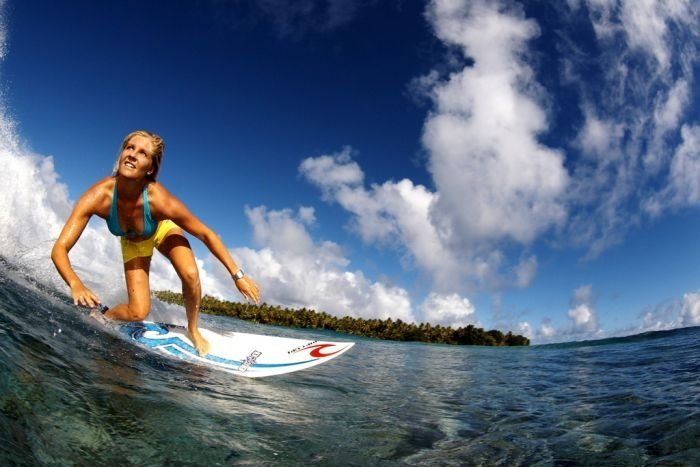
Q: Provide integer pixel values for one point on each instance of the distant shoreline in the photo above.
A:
(374, 328)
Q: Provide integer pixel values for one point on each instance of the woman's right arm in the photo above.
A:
(83, 210)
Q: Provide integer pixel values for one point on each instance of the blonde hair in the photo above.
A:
(157, 155)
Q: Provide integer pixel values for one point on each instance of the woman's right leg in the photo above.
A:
(137, 286)
(177, 249)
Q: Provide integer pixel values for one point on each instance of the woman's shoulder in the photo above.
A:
(157, 194)
(156, 190)
(162, 202)
(99, 194)
(104, 186)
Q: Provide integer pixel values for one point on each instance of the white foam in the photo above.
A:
(33, 207)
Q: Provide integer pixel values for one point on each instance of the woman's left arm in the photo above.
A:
(169, 207)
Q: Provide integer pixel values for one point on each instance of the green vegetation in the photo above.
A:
(386, 329)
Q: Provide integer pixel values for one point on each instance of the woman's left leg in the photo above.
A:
(177, 249)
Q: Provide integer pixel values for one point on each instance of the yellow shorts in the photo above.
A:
(144, 248)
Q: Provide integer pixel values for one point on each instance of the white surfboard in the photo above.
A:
(249, 355)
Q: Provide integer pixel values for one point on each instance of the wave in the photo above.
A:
(670, 334)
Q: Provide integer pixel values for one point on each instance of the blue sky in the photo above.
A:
(516, 165)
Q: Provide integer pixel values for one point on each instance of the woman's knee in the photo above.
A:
(139, 311)
(190, 277)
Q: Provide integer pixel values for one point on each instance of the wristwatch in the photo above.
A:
(238, 275)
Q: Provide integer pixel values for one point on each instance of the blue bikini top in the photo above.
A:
(149, 223)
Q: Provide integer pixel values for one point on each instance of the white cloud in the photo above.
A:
(525, 271)
(448, 310)
(547, 331)
(582, 321)
(685, 168)
(582, 312)
(600, 139)
(333, 172)
(495, 180)
(670, 315)
(307, 215)
(582, 295)
(394, 213)
(633, 113)
(583, 318)
(525, 329)
(644, 24)
(683, 187)
(401, 215)
(294, 270)
(668, 111)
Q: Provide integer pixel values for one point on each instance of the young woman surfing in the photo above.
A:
(146, 217)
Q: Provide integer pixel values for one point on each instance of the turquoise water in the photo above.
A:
(71, 394)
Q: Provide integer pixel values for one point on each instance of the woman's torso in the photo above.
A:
(132, 218)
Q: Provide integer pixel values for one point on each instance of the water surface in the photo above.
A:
(72, 394)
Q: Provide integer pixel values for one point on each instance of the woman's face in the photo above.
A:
(136, 160)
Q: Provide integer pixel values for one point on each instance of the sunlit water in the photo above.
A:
(72, 394)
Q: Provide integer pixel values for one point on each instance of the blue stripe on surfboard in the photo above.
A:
(187, 352)
(179, 348)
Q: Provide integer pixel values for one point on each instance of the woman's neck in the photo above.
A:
(129, 188)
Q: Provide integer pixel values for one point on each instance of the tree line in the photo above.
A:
(382, 329)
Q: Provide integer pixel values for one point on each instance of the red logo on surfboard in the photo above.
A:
(316, 352)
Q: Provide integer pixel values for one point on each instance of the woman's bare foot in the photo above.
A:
(200, 343)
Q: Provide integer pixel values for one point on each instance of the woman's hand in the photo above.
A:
(248, 288)
(82, 296)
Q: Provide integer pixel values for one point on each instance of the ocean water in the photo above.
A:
(72, 394)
